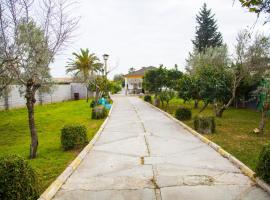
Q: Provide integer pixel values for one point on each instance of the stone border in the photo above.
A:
(244, 169)
(50, 192)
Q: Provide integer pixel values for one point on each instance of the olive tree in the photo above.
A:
(33, 32)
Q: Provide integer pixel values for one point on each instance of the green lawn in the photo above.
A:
(234, 131)
(51, 160)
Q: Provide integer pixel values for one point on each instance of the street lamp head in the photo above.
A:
(106, 57)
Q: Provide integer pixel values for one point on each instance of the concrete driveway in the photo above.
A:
(142, 154)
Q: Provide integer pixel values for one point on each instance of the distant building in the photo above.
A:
(134, 80)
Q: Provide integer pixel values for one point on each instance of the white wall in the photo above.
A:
(60, 92)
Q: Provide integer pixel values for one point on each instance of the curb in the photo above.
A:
(244, 169)
(50, 192)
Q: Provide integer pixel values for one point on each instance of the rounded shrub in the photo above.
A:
(147, 98)
(93, 104)
(205, 124)
(17, 179)
(73, 136)
(99, 112)
(263, 166)
(183, 113)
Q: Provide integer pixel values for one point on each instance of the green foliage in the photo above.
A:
(207, 34)
(73, 136)
(172, 77)
(115, 87)
(100, 83)
(256, 6)
(154, 80)
(161, 78)
(166, 96)
(99, 112)
(214, 84)
(119, 78)
(213, 56)
(188, 88)
(205, 124)
(84, 64)
(148, 98)
(183, 113)
(18, 179)
(263, 166)
(93, 104)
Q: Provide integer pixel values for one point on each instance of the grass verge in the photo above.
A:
(51, 160)
(234, 131)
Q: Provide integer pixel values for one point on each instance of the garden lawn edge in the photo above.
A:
(244, 169)
(50, 192)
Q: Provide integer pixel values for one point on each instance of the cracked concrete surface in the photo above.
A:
(142, 154)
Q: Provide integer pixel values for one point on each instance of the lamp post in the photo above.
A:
(105, 57)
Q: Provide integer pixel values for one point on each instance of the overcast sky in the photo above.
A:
(137, 33)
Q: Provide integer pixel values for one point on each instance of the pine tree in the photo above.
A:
(207, 34)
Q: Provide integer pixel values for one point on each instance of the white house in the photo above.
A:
(134, 80)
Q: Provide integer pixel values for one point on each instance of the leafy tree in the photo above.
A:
(115, 86)
(132, 69)
(119, 78)
(99, 84)
(172, 77)
(257, 6)
(154, 80)
(166, 96)
(188, 88)
(31, 43)
(207, 34)
(263, 93)
(214, 56)
(215, 87)
(84, 64)
(212, 73)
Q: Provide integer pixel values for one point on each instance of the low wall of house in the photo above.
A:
(59, 93)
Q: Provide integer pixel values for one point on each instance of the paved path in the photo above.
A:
(142, 154)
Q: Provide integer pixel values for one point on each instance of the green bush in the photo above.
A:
(115, 87)
(147, 98)
(93, 104)
(17, 179)
(263, 166)
(183, 113)
(99, 112)
(205, 124)
(73, 136)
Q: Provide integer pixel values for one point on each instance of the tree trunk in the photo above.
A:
(6, 98)
(156, 101)
(204, 107)
(262, 122)
(196, 103)
(97, 95)
(31, 89)
(87, 96)
(219, 112)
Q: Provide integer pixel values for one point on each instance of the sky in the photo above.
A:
(138, 33)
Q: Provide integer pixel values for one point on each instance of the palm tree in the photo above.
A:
(84, 64)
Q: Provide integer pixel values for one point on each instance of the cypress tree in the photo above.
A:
(207, 34)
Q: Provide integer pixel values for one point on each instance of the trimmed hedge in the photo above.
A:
(263, 166)
(205, 124)
(99, 112)
(183, 113)
(73, 136)
(17, 179)
(147, 98)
